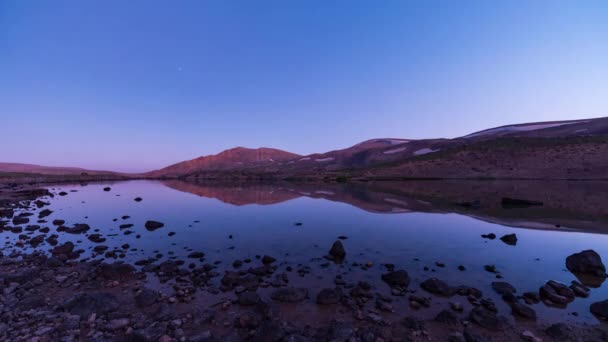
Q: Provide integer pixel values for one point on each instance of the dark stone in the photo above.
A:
(58, 222)
(125, 226)
(138, 199)
(588, 267)
(398, 278)
(66, 248)
(196, 255)
(84, 304)
(329, 296)
(248, 298)
(153, 225)
(337, 251)
(107, 188)
(519, 203)
(267, 260)
(556, 293)
(523, 311)
(437, 287)
(490, 236)
(17, 220)
(488, 319)
(509, 239)
(44, 213)
(290, 295)
(77, 229)
(503, 288)
(600, 309)
(97, 238)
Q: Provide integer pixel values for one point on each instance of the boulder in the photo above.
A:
(488, 319)
(523, 311)
(557, 293)
(337, 251)
(437, 287)
(509, 239)
(290, 295)
(153, 225)
(600, 309)
(398, 278)
(587, 266)
(502, 287)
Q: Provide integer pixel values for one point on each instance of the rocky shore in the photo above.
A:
(50, 293)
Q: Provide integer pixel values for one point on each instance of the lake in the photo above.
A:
(413, 225)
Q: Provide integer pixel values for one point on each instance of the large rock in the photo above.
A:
(503, 288)
(437, 287)
(337, 251)
(523, 311)
(600, 309)
(154, 225)
(488, 319)
(78, 228)
(509, 239)
(557, 293)
(290, 295)
(588, 267)
(398, 278)
(84, 304)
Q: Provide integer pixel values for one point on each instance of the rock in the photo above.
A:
(437, 287)
(398, 278)
(562, 332)
(290, 295)
(488, 319)
(503, 288)
(77, 229)
(145, 298)
(138, 199)
(447, 317)
(84, 304)
(248, 298)
(196, 255)
(125, 226)
(337, 251)
(116, 271)
(97, 238)
(154, 225)
(490, 236)
(17, 220)
(329, 296)
(66, 248)
(556, 293)
(519, 203)
(509, 239)
(58, 222)
(267, 260)
(107, 188)
(522, 310)
(528, 336)
(600, 309)
(587, 265)
(44, 213)
(579, 289)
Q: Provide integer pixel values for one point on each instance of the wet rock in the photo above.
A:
(398, 278)
(84, 304)
(337, 251)
(290, 295)
(587, 266)
(145, 298)
(58, 222)
(125, 226)
(519, 203)
(100, 248)
(437, 287)
(17, 220)
(509, 239)
(447, 317)
(248, 298)
(107, 188)
(66, 248)
(138, 199)
(503, 288)
(78, 228)
(116, 271)
(488, 319)
(196, 255)
(153, 225)
(556, 293)
(267, 260)
(329, 296)
(579, 289)
(600, 309)
(97, 238)
(490, 236)
(523, 311)
(44, 213)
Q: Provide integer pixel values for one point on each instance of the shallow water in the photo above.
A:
(382, 225)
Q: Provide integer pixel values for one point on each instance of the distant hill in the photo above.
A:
(48, 170)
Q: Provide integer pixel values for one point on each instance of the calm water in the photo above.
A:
(384, 224)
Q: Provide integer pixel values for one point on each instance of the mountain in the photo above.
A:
(235, 158)
(555, 149)
(47, 170)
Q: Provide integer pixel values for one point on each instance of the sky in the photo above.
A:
(137, 85)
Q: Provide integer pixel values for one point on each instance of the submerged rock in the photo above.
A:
(337, 251)
(503, 288)
(556, 293)
(488, 319)
(437, 287)
(398, 278)
(153, 225)
(587, 266)
(509, 239)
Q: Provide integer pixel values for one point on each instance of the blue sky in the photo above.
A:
(136, 85)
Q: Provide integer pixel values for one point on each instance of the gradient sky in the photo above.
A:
(136, 85)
